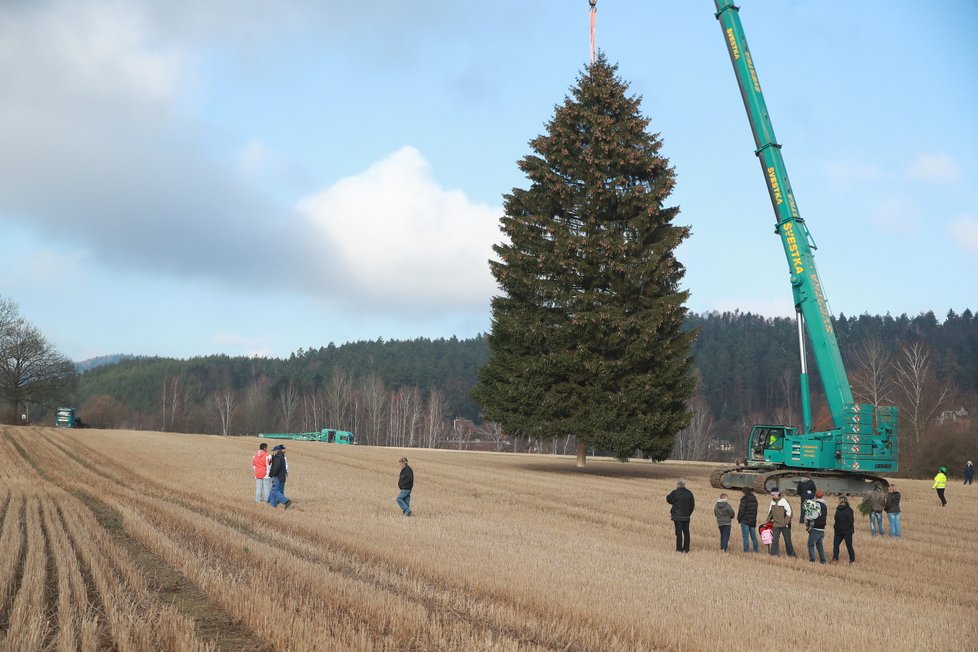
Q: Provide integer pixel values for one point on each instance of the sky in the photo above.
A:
(254, 178)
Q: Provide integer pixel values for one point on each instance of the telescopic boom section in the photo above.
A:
(809, 297)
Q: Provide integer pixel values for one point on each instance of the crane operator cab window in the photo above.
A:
(766, 438)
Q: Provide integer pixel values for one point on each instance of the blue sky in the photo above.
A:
(252, 178)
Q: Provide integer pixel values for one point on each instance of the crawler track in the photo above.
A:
(763, 479)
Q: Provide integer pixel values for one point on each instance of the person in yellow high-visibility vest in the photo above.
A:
(940, 481)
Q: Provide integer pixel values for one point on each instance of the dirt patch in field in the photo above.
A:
(214, 624)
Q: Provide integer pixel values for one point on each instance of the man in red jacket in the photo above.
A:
(263, 484)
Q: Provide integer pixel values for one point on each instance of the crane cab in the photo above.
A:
(766, 443)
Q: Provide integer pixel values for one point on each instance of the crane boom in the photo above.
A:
(798, 245)
(863, 439)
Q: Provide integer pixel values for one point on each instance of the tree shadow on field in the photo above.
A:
(613, 469)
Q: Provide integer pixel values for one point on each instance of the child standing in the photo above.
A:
(766, 530)
(724, 513)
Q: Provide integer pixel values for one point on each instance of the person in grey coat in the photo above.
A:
(724, 513)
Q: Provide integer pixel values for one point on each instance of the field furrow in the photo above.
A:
(158, 541)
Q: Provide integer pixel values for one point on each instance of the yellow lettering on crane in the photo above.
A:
(734, 49)
(793, 252)
(775, 188)
(753, 73)
(823, 307)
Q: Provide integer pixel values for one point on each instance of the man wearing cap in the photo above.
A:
(780, 516)
(405, 482)
(278, 472)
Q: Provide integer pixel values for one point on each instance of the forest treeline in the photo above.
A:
(411, 392)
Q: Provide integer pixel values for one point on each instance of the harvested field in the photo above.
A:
(145, 541)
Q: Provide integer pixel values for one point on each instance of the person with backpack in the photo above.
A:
(779, 514)
(845, 527)
(724, 514)
(940, 482)
(681, 513)
(263, 483)
(816, 513)
(806, 491)
(892, 509)
(747, 517)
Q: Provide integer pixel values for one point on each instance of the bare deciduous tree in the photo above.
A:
(339, 394)
(374, 397)
(493, 432)
(288, 405)
(693, 441)
(435, 425)
(223, 402)
(872, 372)
(254, 405)
(923, 394)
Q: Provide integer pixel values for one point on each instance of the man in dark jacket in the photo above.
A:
(844, 528)
(278, 472)
(683, 504)
(892, 509)
(815, 522)
(747, 517)
(405, 482)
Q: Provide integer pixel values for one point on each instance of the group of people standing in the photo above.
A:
(272, 470)
(813, 515)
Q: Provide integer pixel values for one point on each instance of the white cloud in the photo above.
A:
(934, 167)
(402, 241)
(964, 231)
(895, 214)
(249, 346)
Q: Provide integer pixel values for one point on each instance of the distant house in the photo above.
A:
(952, 416)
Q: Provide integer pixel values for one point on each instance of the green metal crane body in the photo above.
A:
(327, 435)
(863, 438)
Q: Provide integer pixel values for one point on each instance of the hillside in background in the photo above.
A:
(410, 392)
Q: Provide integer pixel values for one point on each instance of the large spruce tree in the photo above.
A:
(587, 335)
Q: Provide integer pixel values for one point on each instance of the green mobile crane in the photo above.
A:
(863, 439)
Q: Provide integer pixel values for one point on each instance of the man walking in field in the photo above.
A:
(780, 516)
(278, 471)
(263, 484)
(683, 503)
(405, 482)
